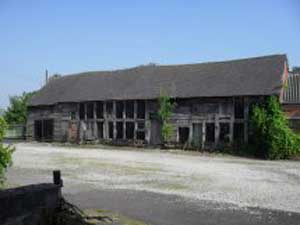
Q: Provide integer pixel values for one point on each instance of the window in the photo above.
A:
(129, 109)
(99, 110)
(90, 110)
(239, 108)
(110, 130)
(129, 130)
(119, 110)
(224, 132)
(81, 111)
(141, 109)
(141, 125)
(119, 130)
(210, 132)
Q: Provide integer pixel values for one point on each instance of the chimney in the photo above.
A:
(46, 78)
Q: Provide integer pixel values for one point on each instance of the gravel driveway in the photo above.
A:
(238, 181)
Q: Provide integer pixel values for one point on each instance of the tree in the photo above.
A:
(166, 107)
(5, 152)
(296, 69)
(271, 135)
(2, 112)
(17, 111)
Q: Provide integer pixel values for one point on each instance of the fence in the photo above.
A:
(17, 131)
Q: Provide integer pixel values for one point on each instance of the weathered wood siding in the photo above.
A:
(198, 116)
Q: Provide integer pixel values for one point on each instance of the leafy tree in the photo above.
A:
(166, 107)
(17, 110)
(2, 112)
(272, 137)
(5, 152)
(296, 69)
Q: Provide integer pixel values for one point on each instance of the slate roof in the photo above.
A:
(291, 94)
(243, 77)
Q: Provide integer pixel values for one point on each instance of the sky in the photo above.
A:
(67, 36)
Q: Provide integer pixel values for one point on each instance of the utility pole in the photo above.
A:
(46, 78)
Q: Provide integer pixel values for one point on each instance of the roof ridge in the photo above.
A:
(108, 72)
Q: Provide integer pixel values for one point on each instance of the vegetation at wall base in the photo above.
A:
(271, 137)
(166, 107)
(5, 152)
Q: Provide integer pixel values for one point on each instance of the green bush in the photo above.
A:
(5, 152)
(166, 107)
(16, 112)
(271, 136)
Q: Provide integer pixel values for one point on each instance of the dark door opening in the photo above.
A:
(43, 130)
(38, 130)
(184, 133)
(210, 133)
(100, 130)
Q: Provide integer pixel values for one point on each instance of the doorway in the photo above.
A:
(184, 133)
(43, 130)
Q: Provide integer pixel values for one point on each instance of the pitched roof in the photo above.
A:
(291, 94)
(243, 77)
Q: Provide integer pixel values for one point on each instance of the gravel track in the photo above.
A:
(242, 182)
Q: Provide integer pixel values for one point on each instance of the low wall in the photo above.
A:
(25, 205)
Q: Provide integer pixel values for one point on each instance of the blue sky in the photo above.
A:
(73, 36)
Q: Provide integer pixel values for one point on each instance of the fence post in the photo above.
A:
(57, 178)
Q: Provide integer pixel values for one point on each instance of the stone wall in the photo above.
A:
(25, 205)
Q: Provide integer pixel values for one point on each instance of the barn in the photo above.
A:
(120, 106)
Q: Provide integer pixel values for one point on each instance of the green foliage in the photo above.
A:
(17, 110)
(5, 152)
(271, 136)
(2, 112)
(166, 107)
(296, 69)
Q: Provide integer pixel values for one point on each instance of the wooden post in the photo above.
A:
(85, 111)
(135, 117)
(57, 178)
(231, 125)
(190, 140)
(124, 120)
(203, 135)
(105, 123)
(147, 123)
(246, 115)
(114, 121)
(95, 133)
(217, 130)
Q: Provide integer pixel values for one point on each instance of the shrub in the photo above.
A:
(5, 152)
(271, 136)
(166, 107)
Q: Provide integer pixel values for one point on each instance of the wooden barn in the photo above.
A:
(212, 102)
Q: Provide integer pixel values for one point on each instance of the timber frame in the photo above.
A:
(207, 122)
